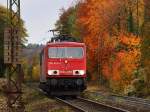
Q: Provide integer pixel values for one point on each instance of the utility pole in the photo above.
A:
(98, 60)
(12, 55)
(137, 18)
(99, 56)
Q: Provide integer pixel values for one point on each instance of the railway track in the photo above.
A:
(133, 100)
(137, 103)
(128, 104)
(83, 105)
(86, 105)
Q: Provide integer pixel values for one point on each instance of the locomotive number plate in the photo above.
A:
(66, 72)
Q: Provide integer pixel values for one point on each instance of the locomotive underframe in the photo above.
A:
(64, 86)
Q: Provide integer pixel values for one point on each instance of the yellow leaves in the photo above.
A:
(130, 56)
(125, 61)
(106, 70)
(129, 59)
(36, 72)
(131, 40)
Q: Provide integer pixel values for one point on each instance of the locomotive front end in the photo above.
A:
(66, 68)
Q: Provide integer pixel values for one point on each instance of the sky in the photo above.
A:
(40, 16)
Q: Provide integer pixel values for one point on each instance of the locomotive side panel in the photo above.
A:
(42, 67)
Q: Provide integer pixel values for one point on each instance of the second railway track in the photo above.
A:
(134, 100)
(130, 103)
(86, 105)
(131, 100)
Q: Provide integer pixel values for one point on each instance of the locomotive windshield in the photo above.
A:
(65, 52)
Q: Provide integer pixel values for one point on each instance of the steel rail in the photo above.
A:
(76, 108)
(133, 102)
(134, 99)
(108, 107)
(86, 105)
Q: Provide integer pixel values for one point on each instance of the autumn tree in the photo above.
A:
(3, 23)
(31, 62)
(111, 30)
(145, 48)
(67, 22)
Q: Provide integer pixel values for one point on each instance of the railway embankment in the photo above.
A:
(3, 100)
(33, 100)
(37, 101)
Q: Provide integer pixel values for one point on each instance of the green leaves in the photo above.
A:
(67, 22)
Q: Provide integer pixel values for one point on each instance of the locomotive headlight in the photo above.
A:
(82, 72)
(53, 72)
(50, 72)
(78, 72)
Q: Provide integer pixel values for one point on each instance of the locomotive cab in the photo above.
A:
(63, 68)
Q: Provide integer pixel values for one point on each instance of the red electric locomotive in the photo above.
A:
(63, 68)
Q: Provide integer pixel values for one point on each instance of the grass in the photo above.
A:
(63, 109)
(35, 101)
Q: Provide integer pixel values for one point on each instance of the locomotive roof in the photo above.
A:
(66, 43)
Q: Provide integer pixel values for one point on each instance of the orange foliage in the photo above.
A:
(126, 61)
(96, 18)
(116, 73)
(130, 40)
